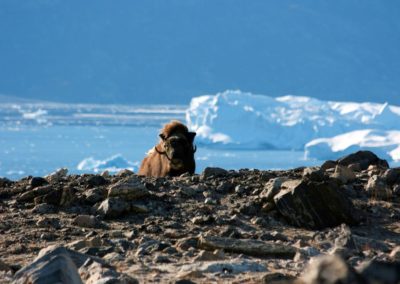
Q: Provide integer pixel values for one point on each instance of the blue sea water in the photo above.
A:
(37, 139)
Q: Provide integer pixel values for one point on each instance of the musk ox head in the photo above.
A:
(177, 145)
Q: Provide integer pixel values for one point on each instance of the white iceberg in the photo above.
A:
(385, 144)
(234, 119)
(113, 164)
(39, 115)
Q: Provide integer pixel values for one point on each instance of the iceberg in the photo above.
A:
(385, 144)
(113, 164)
(240, 120)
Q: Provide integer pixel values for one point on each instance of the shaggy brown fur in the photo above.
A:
(173, 155)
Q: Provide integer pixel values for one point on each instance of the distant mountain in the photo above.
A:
(169, 51)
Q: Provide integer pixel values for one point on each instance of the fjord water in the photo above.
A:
(38, 138)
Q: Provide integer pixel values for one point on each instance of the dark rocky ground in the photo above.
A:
(338, 223)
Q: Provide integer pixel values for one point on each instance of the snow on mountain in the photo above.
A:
(246, 121)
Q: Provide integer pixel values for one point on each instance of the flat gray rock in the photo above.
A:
(247, 246)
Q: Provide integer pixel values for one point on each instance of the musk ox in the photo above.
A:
(173, 155)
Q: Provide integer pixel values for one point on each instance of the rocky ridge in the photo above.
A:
(337, 223)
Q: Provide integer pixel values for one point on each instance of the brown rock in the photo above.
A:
(378, 188)
(205, 255)
(344, 174)
(130, 188)
(395, 254)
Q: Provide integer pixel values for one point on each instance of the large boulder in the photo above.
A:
(364, 159)
(56, 266)
(315, 205)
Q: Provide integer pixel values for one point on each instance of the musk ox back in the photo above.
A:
(173, 155)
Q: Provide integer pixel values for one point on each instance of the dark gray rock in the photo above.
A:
(379, 272)
(4, 267)
(187, 191)
(215, 172)
(185, 243)
(355, 167)
(160, 258)
(39, 191)
(151, 245)
(47, 222)
(44, 208)
(26, 196)
(53, 198)
(392, 176)
(277, 278)
(328, 165)
(225, 187)
(113, 207)
(37, 181)
(5, 182)
(86, 221)
(371, 243)
(184, 281)
(94, 195)
(316, 205)
(364, 159)
(96, 180)
(68, 196)
(55, 266)
(314, 173)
